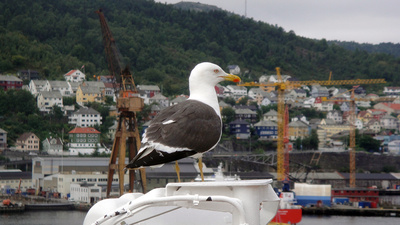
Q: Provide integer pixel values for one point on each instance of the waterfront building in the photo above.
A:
(11, 180)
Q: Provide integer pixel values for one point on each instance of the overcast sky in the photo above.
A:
(363, 21)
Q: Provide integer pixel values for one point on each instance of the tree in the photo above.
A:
(368, 143)
(228, 115)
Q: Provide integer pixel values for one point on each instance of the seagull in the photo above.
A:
(189, 128)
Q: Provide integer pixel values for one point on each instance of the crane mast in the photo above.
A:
(128, 103)
(281, 86)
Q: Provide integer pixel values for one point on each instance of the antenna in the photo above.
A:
(245, 8)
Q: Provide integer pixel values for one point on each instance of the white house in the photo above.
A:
(85, 117)
(237, 91)
(391, 90)
(234, 69)
(159, 99)
(62, 86)
(84, 192)
(308, 103)
(75, 76)
(272, 78)
(359, 124)
(388, 122)
(36, 86)
(53, 146)
(394, 147)
(335, 115)
(47, 99)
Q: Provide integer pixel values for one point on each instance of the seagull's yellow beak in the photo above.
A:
(231, 77)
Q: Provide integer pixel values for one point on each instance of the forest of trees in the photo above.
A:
(161, 44)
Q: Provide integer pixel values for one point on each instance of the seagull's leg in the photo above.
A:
(178, 170)
(201, 168)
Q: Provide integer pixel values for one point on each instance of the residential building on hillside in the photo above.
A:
(319, 91)
(75, 76)
(159, 99)
(107, 79)
(47, 99)
(271, 115)
(373, 125)
(300, 118)
(234, 69)
(97, 84)
(272, 78)
(240, 128)
(84, 141)
(8, 82)
(391, 90)
(3, 140)
(360, 91)
(388, 107)
(298, 129)
(237, 91)
(85, 117)
(389, 122)
(246, 114)
(266, 129)
(335, 115)
(27, 142)
(61, 86)
(53, 146)
(86, 94)
(109, 90)
(298, 93)
(74, 87)
(28, 75)
(149, 90)
(36, 86)
(326, 129)
(324, 106)
(394, 147)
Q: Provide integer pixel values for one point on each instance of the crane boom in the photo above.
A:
(123, 77)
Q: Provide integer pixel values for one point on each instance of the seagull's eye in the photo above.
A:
(216, 71)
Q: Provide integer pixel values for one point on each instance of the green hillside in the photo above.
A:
(161, 43)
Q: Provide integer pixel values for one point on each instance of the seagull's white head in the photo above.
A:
(209, 74)
(202, 81)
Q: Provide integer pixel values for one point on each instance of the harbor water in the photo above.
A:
(77, 217)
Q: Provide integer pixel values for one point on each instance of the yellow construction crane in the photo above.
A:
(284, 85)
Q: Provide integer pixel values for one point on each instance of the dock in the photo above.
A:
(351, 211)
(50, 206)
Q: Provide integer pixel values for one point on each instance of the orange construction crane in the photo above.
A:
(281, 86)
(128, 103)
(288, 145)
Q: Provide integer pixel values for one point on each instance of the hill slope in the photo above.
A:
(162, 43)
